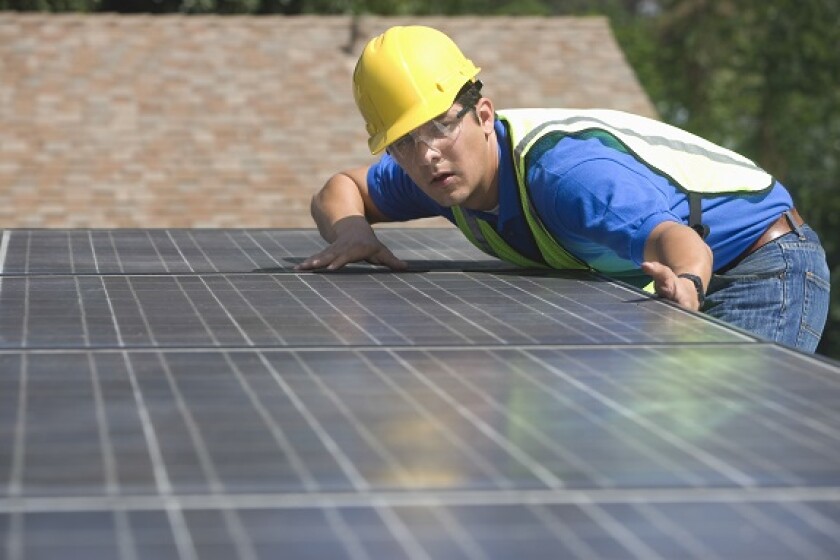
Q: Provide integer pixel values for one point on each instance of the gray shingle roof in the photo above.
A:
(205, 121)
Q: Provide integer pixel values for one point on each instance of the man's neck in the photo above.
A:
(487, 193)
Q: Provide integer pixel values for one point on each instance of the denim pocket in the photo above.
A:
(815, 311)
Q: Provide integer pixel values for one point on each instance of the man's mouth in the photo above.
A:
(440, 178)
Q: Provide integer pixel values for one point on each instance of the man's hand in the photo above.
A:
(671, 287)
(672, 249)
(354, 241)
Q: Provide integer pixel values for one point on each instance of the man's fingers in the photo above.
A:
(386, 258)
(333, 258)
(664, 279)
(319, 260)
(667, 285)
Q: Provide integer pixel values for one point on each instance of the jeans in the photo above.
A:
(780, 292)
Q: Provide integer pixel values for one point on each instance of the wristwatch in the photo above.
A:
(698, 285)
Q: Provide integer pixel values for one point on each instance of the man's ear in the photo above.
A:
(486, 114)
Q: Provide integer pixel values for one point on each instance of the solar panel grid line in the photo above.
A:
(109, 461)
(358, 482)
(606, 321)
(160, 475)
(314, 244)
(93, 255)
(693, 546)
(449, 498)
(248, 340)
(819, 521)
(117, 254)
(14, 485)
(14, 537)
(239, 535)
(811, 409)
(831, 452)
(141, 312)
(523, 303)
(731, 472)
(565, 454)
(71, 254)
(305, 280)
(631, 543)
(24, 335)
(308, 481)
(247, 254)
(199, 249)
(201, 317)
(490, 318)
(538, 470)
(402, 475)
(171, 505)
(126, 543)
(401, 239)
(348, 538)
(800, 547)
(442, 433)
(577, 547)
(196, 440)
(263, 250)
(733, 449)
(83, 312)
(465, 542)
(269, 239)
(184, 542)
(369, 314)
(112, 313)
(4, 249)
(816, 524)
(642, 448)
(413, 549)
(164, 263)
(441, 306)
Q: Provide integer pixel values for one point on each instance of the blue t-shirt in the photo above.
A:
(600, 204)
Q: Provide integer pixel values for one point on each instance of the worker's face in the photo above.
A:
(453, 158)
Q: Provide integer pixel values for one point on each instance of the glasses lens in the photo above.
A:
(437, 134)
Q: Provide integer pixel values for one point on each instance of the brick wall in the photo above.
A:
(205, 121)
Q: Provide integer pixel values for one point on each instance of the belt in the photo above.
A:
(780, 227)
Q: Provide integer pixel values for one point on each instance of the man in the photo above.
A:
(627, 196)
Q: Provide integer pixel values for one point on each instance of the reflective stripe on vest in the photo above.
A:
(691, 163)
(482, 235)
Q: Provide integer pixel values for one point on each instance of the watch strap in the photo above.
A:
(698, 285)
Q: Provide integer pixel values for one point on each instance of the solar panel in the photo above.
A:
(173, 251)
(445, 413)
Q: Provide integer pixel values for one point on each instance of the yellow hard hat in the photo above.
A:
(405, 77)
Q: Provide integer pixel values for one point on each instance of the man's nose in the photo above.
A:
(428, 153)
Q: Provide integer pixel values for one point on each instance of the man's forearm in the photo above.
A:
(339, 198)
(681, 249)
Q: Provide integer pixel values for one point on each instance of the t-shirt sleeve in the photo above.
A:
(396, 195)
(599, 195)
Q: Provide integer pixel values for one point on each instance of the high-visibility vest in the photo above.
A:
(694, 165)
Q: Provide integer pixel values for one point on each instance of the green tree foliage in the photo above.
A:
(764, 79)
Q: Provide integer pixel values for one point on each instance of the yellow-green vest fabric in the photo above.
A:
(692, 164)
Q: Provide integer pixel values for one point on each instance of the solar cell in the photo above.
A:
(152, 412)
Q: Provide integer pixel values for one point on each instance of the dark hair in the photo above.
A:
(469, 94)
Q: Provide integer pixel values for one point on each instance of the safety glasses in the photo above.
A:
(438, 134)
